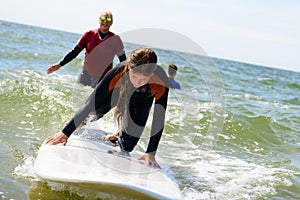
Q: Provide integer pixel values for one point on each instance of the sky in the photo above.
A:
(262, 32)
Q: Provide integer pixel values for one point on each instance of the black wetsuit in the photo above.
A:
(105, 97)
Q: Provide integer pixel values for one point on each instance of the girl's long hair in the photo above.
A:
(143, 61)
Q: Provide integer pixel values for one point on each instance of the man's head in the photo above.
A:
(105, 21)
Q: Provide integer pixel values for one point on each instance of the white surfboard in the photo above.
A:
(89, 161)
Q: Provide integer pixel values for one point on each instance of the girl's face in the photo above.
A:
(138, 79)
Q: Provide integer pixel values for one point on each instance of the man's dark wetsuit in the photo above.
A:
(105, 96)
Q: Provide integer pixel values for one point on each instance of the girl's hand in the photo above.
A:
(150, 160)
(57, 138)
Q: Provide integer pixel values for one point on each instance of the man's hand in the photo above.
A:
(52, 68)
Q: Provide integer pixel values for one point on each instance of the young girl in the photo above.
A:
(131, 87)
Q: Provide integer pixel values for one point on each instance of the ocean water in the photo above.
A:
(232, 132)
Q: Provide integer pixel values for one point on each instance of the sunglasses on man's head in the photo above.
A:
(103, 18)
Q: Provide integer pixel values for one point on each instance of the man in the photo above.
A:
(101, 46)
